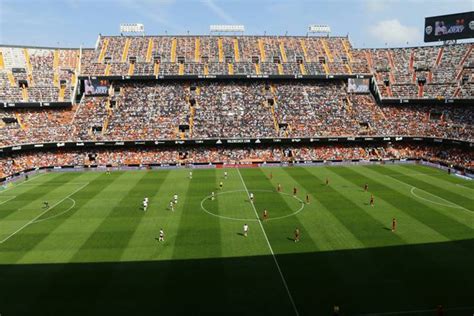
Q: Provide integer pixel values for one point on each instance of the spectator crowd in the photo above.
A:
(242, 155)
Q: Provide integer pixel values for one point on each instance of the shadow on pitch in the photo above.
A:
(371, 280)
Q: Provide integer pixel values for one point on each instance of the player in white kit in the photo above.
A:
(162, 235)
(246, 229)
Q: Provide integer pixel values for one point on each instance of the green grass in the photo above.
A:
(96, 252)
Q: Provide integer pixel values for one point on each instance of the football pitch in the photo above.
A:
(94, 251)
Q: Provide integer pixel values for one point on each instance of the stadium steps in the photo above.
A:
(73, 79)
(261, 47)
(257, 69)
(27, 59)
(412, 61)
(56, 79)
(192, 111)
(456, 92)
(347, 49)
(2, 62)
(24, 94)
(236, 50)
(197, 50)
(156, 69)
(230, 68)
(126, 47)
(11, 78)
(103, 50)
(149, 50)
(107, 118)
(305, 51)
(181, 69)
(20, 122)
(420, 91)
(221, 50)
(463, 60)
(440, 55)
(326, 68)
(349, 68)
(272, 108)
(56, 59)
(174, 43)
(107, 70)
(283, 52)
(349, 104)
(131, 69)
(62, 92)
(466, 55)
(327, 51)
(31, 82)
(391, 77)
(280, 69)
(389, 91)
(392, 66)
(370, 61)
(302, 69)
(275, 120)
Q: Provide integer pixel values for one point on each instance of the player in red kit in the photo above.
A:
(394, 224)
(295, 190)
(371, 200)
(265, 214)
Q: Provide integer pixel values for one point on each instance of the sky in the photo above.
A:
(72, 23)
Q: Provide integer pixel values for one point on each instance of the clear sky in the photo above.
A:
(71, 23)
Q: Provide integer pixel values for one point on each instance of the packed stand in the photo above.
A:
(119, 157)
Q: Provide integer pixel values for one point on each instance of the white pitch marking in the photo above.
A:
(412, 191)
(11, 198)
(41, 214)
(251, 220)
(463, 186)
(413, 187)
(271, 249)
(64, 212)
(16, 186)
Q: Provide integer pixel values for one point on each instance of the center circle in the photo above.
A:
(295, 203)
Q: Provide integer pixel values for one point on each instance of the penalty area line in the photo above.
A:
(271, 249)
(11, 198)
(41, 214)
(15, 185)
(452, 204)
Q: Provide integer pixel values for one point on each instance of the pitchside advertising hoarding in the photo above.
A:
(449, 27)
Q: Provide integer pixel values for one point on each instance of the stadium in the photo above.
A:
(229, 174)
